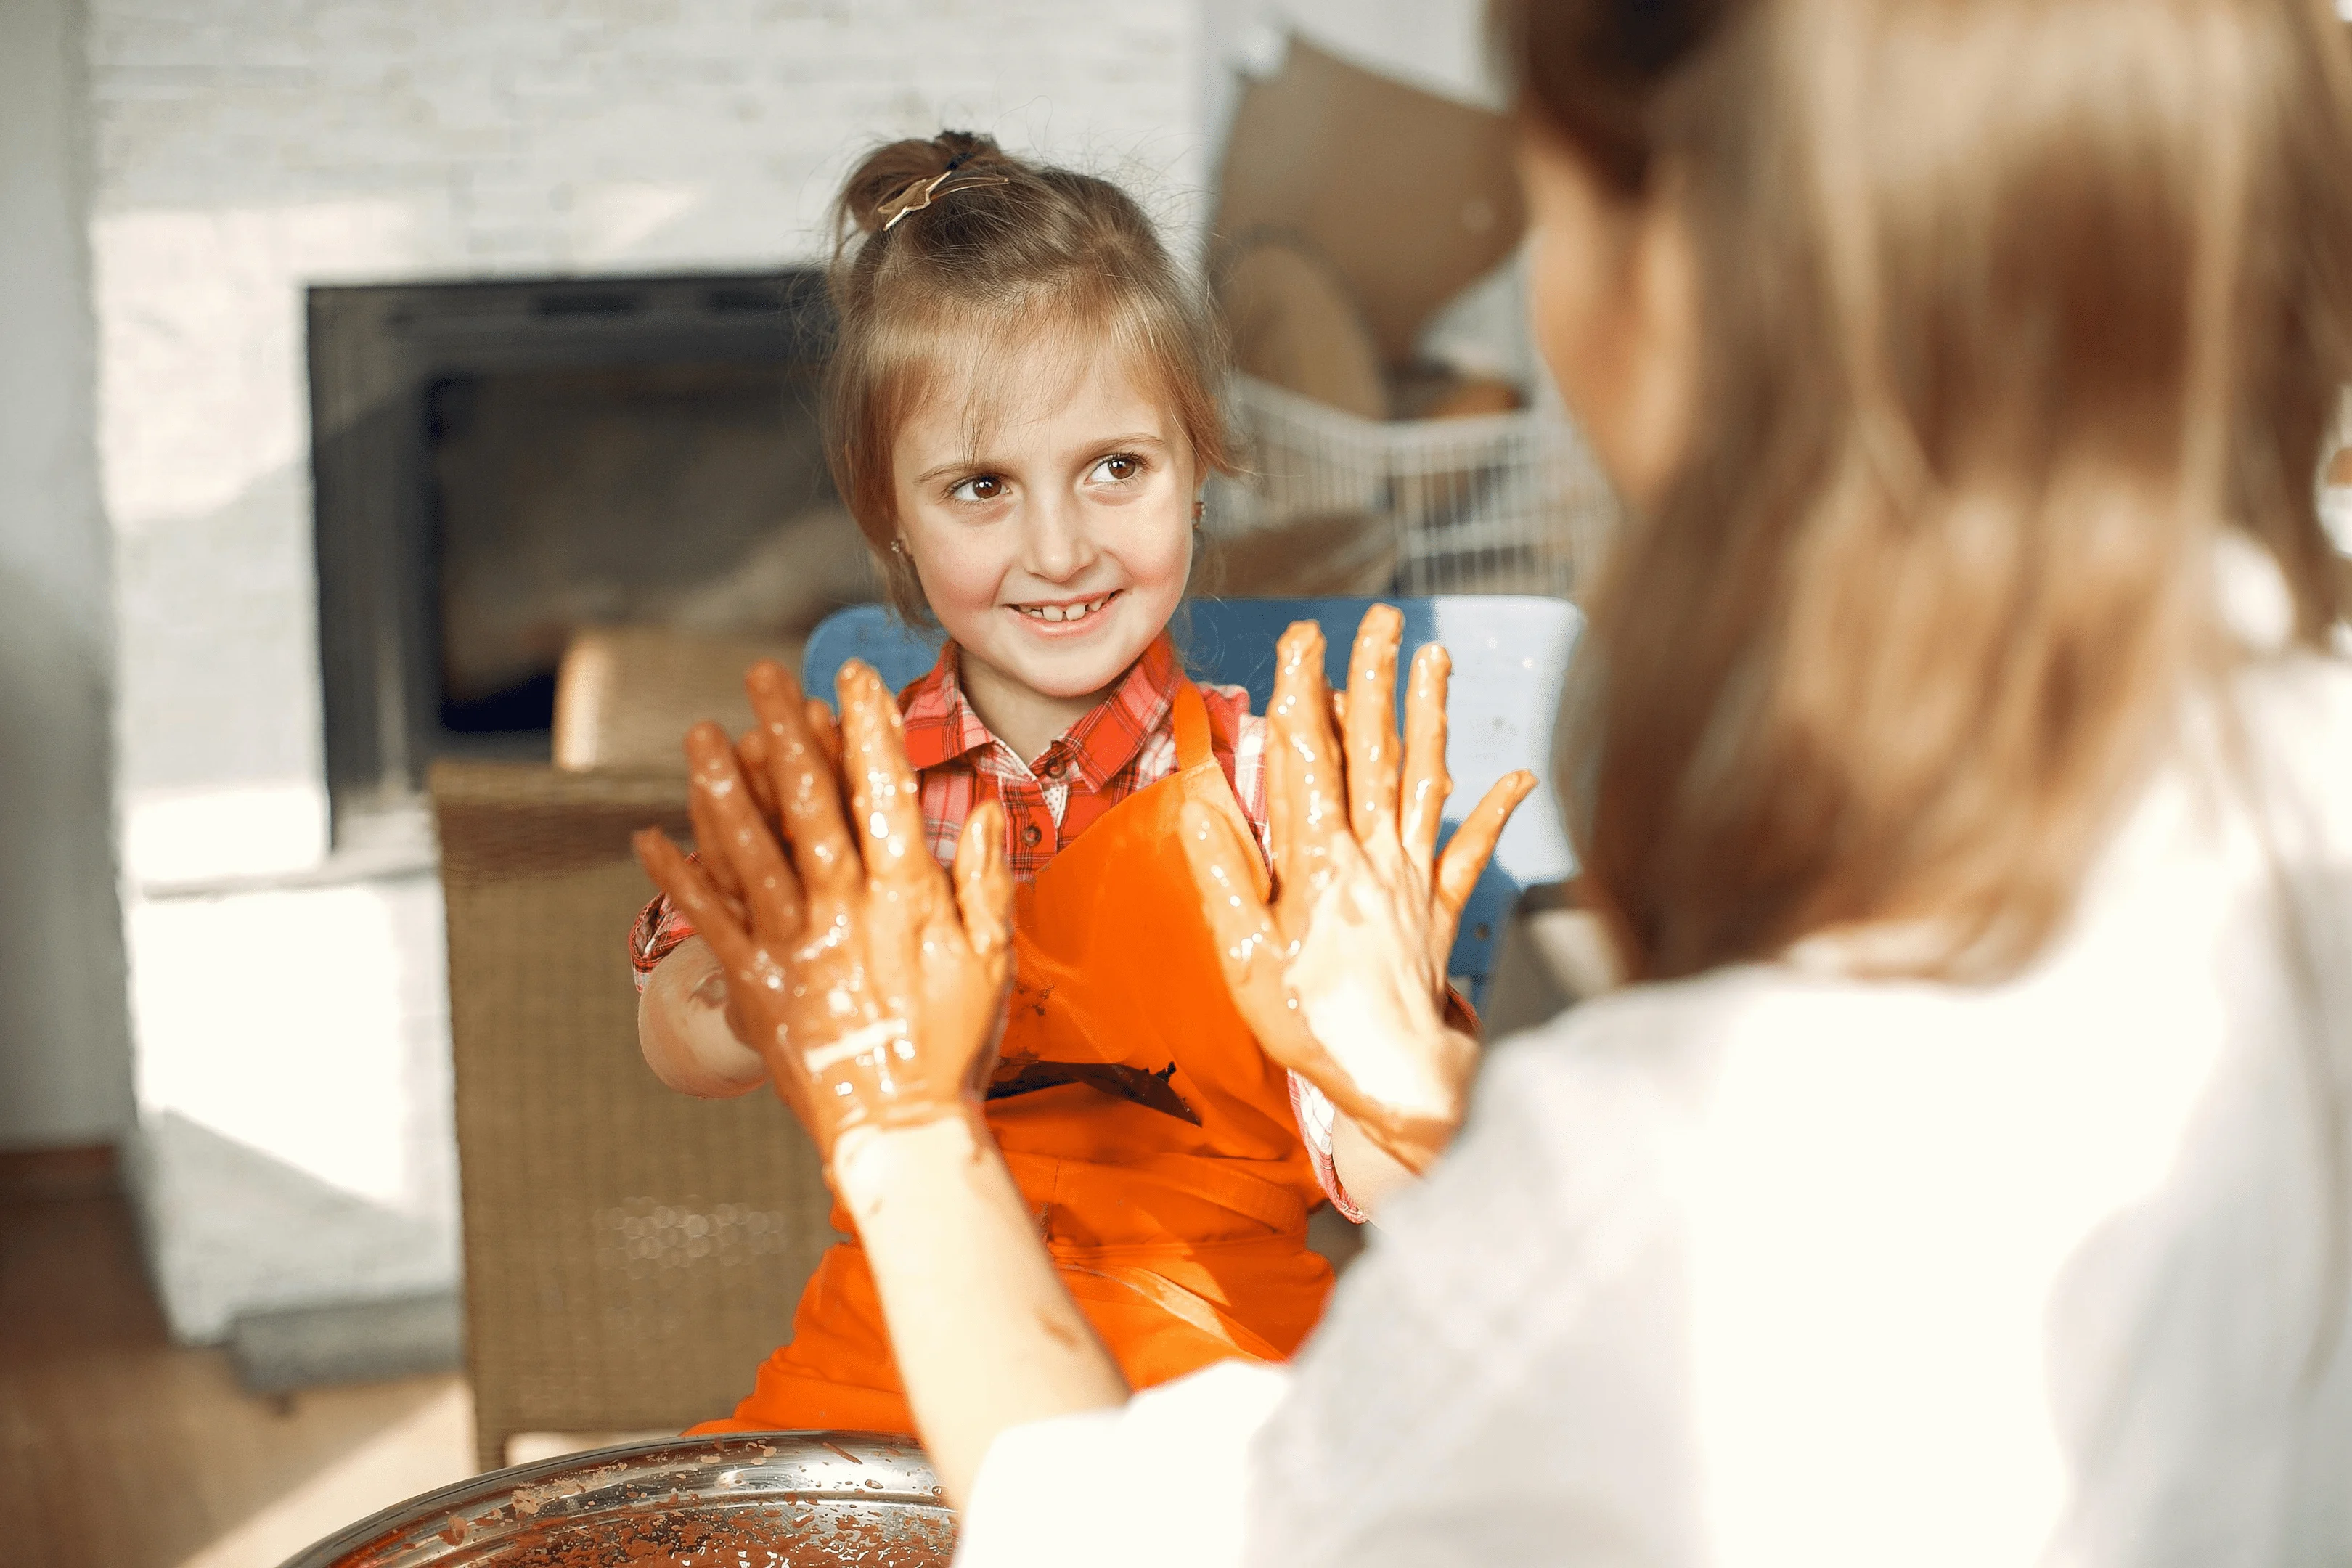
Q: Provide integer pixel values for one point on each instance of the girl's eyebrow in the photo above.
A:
(1139, 439)
(959, 466)
(981, 465)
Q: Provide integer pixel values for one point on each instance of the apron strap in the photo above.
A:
(1045, 1181)
(1204, 776)
(1188, 1307)
(1191, 716)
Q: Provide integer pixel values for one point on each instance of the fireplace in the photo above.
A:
(499, 464)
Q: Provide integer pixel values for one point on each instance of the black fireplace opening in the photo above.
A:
(499, 464)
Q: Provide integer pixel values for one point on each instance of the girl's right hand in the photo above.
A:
(874, 990)
(1343, 975)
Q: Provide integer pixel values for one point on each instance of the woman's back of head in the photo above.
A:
(2009, 309)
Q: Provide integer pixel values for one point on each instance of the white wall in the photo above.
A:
(65, 1075)
(247, 148)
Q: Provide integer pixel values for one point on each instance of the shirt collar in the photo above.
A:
(941, 724)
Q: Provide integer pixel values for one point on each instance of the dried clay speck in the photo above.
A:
(827, 1535)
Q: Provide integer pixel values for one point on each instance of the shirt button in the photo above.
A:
(1029, 835)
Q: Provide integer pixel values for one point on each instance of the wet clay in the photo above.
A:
(1341, 972)
(871, 979)
(776, 1535)
(690, 1531)
(774, 1501)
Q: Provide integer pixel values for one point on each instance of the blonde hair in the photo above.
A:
(1004, 251)
(2009, 309)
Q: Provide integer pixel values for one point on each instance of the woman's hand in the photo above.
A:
(877, 991)
(1342, 977)
(874, 989)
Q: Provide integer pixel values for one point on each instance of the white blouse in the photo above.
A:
(1777, 1266)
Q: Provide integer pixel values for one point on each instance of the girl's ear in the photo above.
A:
(1200, 574)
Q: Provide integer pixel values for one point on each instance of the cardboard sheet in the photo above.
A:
(1409, 198)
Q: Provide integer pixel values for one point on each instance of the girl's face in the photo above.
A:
(1054, 535)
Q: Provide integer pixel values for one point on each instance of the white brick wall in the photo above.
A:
(268, 145)
(246, 149)
(64, 1072)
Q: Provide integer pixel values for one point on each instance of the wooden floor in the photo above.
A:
(119, 1449)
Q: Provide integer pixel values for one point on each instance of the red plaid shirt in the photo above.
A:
(1125, 743)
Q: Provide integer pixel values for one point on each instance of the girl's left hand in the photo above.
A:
(873, 988)
(1342, 977)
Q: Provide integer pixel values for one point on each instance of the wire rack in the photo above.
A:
(1497, 503)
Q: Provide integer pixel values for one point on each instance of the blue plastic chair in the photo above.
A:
(1510, 657)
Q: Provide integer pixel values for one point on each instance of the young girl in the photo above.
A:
(1022, 408)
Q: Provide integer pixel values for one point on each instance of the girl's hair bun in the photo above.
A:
(890, 169)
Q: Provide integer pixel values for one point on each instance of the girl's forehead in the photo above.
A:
(983, 390)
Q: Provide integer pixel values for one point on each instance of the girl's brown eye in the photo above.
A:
(981, 487)
(1119, 467)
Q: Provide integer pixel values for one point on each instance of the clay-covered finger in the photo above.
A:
(808, 798)
(825, 729)
(1473, 843)
(718, 868)
(1425, 785)
(1277, 809)
(691, 894)
(1281, 790)
(983, 881)
(741, 836)
(882, 788)
(1249, 951)
(1370, 738)
(755, 754)
(1299, 722)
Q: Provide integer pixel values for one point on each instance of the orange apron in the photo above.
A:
(1148, 1132)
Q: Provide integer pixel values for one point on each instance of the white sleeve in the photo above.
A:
(1495, 1381)
(1159, 1480)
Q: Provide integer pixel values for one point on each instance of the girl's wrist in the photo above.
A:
(1453, 1057)
(1463, 1052)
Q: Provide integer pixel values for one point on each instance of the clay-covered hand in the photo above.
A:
(873, 985)
(1342, 975)
(754, 756)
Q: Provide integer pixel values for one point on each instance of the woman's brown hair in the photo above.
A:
(948, 255)
(2009, 309)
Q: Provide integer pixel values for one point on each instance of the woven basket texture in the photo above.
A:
(631, 1253)
(627, 694)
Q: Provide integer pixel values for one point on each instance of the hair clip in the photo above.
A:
(917, 194)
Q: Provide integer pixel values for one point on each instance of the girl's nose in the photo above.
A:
(1055, 545)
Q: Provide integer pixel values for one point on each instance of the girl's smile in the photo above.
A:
(1064, 614)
